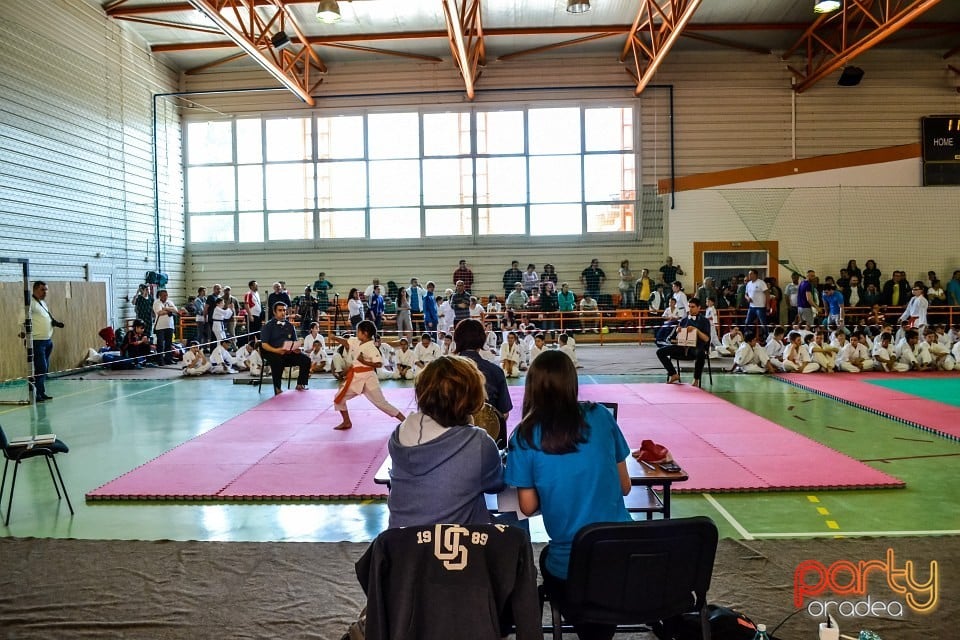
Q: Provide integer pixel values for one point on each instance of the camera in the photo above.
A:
(58, 324)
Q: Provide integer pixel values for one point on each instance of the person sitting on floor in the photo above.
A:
(511, 356)
(822, 353)
(318, 356)
(884, 355)
(442, 465)
(195, 363)
(751, 357)
(405, 360)
(221, 361)
(854, 356)
(388, 356)
(933, 355)
(341, 361)
(775, 347)
(796, 358)
(136, 346)
(425, 352)
(248, 359)
(537, 347)
(569, 347)
(730, 342)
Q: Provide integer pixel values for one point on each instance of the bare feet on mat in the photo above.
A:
(301, 387)
(343, 426)
(277, 391)
(674, 379)
(697, 383)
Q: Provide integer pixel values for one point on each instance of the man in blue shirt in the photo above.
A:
(953, 290)
(698, 321)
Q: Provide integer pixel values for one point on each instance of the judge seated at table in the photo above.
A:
(693, 336)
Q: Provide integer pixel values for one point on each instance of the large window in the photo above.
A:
(519, 171)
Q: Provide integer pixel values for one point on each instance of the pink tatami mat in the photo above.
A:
(285, 448)
(856, 390)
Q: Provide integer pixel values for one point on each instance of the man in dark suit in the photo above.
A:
(697, 320)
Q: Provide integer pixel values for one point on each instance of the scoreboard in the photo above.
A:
(940, 137)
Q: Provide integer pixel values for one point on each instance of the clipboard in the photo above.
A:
(687, 337)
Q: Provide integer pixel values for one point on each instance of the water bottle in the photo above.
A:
(761, 633)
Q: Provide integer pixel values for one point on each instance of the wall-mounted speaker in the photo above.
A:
(850, 77)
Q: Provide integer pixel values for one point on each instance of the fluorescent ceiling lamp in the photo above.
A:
(328, 11)
(578, 6)
(825, 6)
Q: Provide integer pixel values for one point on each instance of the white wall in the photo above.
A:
(76, 177)
(822, 219)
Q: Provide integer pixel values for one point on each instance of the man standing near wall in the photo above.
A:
(43, 324)
(807, 302)
(511, 276)
(165, 311)
(465, 274)
(755, 293)
(251, 302)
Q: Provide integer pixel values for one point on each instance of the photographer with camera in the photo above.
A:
(165, 311)
(43, 324)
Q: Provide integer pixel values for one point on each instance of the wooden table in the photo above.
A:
(651, 493)
(645, 497)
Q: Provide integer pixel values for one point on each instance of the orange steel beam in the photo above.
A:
(252, 34)
(215, 63)
(174, 25)
(834, 40)
(556, 45)
(386, 52)
(465, 32)
(655, 30)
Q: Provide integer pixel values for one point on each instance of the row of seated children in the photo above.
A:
(516, 354)
(221, 360)
(810, 352)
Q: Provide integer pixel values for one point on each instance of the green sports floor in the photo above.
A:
(113, 426)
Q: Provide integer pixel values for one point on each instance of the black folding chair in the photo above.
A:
(17, 452)
(263, 367)
(636, 574)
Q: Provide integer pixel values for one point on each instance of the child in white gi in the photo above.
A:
(425, 352)
(751, 357)
(884, 357)
(248, 359)
(362, 375)
(318, 356)
(405, 360)
(796, 358)
(731, 342)
(854, 356)
(194, 362)
(221, 315)
(510, 356)
(822, 353)
(220, 360)
(774, 348)
(934, 355)
(388, 355)
(568, 346)
(538, 346)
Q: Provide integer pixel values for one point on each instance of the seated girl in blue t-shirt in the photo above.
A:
(567, 460)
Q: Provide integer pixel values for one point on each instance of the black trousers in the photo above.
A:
(666, 354)
(165, 346)
(278, 362)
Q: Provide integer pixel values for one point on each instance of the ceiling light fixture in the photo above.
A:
(826, 6)
(328, 11)
(578, 6)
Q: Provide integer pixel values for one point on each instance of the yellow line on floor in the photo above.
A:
(823, 511)
(813, 499)
(833, 524)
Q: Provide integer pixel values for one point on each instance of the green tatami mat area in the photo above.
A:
(945, 390)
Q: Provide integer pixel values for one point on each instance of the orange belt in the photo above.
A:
(346, 383)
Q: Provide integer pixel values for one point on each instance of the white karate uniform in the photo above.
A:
(854, 359)
(388, 355)
(797, 358)
(221, 361)
(363, 382)
(249, 361)
(917, 311)
(406, 359)
(750, 358)
(341, 360)
(826, 356)
(907, 355)
(536, 351)
(774, 351)
(711, 315)
(447, 317)
(886, 358)
(426, 355)
(570, 351)
(490, 351)
(730, 343)
(937, 355)
(309, 340)
(448, 349)
(188, 364)
(220, 317)
(511, 353)
(318, 359)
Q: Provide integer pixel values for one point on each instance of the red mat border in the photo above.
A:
(794, 381)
